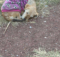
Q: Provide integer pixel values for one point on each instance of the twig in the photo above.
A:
(7, 27)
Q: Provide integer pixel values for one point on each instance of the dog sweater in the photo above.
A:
(13, 5)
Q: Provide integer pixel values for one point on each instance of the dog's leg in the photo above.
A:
(7, 27)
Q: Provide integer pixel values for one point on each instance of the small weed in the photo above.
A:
(42, 53)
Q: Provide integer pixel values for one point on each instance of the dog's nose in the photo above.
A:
(35, 16)
(24, 19)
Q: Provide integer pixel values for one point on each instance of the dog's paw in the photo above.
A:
(35, 16)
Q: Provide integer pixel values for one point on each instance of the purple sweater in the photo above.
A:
(13, 5)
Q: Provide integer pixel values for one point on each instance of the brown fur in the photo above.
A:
(30, 10)
(30, 6)
(11, 15)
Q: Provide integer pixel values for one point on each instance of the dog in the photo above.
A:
(30, 10)
(12, 9)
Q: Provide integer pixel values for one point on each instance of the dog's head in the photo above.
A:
(27, 11)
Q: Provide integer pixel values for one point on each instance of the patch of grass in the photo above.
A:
(52, 2)
(42, 53)
(2, 20)
(43, 6)
(49, 2)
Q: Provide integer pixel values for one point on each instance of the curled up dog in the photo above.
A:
(12, 9)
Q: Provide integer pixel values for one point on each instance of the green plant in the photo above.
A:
(42, 53)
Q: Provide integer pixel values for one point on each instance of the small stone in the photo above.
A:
(5, 50)
(30, 27)
(45, 37)
(17, 55)
(45, 21)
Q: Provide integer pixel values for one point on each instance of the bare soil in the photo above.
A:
(21, 40)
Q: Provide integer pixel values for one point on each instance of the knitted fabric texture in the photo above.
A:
(13, 5)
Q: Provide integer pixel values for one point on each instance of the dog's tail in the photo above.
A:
(17, 20)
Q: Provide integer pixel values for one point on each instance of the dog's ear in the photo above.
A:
(27, 5)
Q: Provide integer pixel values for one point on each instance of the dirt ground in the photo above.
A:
(21, 40)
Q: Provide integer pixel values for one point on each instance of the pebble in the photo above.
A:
(30, 27)
(45, 21)
(45, 37)
(17, 55)
(5, 50)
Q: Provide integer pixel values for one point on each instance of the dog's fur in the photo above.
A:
(11, 15)
(30, 10)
